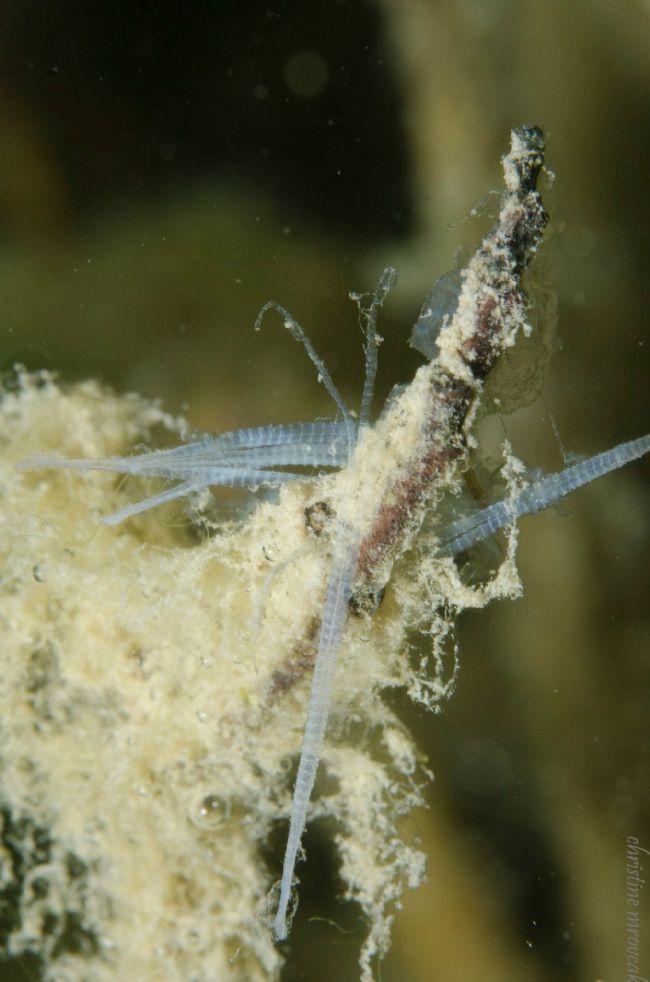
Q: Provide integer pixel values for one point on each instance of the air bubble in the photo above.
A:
(210, 813)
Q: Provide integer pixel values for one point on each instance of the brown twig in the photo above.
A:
(491, 310)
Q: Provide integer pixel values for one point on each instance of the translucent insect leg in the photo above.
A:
(237, 477)
(178, 491)
(118, 465)
(301, 444)
(369, 313)
(335, 612)
(259, 604)
(296, 455)
(317, 432)
(542, 494)
(467, 532)
(199, 478)
(296, 330)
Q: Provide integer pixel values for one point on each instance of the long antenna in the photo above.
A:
(324, 376)
(369, 326)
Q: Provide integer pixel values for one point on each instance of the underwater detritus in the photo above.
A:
(418, 446)
(438, 309)
(152, 741)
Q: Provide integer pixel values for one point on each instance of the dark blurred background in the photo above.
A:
(167, 167)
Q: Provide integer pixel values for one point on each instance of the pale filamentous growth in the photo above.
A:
(491, 309)
(140, 740)
(404, 474)
(153, 688)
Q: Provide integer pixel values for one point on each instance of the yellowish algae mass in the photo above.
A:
(145, 748)
(155, 675)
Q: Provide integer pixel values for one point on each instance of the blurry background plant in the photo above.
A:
(166, 168)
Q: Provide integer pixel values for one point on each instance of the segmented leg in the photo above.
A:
(467, 531)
